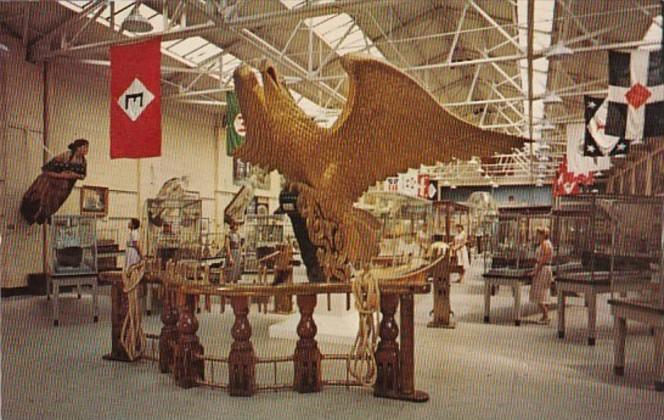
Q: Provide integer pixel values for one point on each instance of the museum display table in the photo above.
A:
(53, 288)
(515, 279)
(592, 285)
(648, 313)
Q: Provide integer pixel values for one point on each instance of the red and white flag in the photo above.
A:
(423, 186)
(569, 183)
(136, 100)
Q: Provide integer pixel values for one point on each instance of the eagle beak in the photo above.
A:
(269, 73)
(244, 77)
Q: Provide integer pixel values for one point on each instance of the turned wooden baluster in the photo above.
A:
(188, 369)
(387, 353)
(307, 356)
(241, 360)
(169, 333)
(407, 357)
(442, 310)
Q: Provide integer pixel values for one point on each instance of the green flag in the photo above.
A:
(235, 129)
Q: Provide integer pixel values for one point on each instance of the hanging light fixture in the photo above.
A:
(546, 125)
(552, 98)
(136, 22)
(559, 49)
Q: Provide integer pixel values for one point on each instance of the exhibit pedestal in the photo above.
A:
(337, 325)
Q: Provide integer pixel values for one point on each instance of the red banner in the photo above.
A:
(136, 100)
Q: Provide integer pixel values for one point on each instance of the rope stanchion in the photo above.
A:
(132, 337)
(362, 361)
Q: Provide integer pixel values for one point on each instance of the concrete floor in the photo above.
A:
(474, 371)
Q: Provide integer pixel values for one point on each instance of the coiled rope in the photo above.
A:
(362, 361)
(132, 337)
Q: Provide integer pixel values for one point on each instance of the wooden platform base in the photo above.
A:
(417, 396)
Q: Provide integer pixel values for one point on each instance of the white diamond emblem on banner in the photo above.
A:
(135, 99)
(432, 191)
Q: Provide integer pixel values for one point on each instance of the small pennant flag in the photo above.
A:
(392, 184)
(408, 184)
(423, 186)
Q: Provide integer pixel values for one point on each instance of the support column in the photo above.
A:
(516, 287)
(241, 360)
(169, 335)
(119, 309)
(407, 359)
(188, 369)
(307, 356)
(659, 359)
(487, 300)
(619, 336)
(561, 313)
(591, 299)
(387, 353)
(442, 309)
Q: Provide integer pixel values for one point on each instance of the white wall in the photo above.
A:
(193, 145)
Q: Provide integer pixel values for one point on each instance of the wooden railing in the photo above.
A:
(182, 354)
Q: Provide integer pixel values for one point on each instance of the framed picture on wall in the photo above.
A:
(94, 201)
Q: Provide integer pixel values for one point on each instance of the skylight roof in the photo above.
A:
(190, 51)
(338, 30)
(543, 22)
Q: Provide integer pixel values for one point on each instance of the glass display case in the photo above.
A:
(511, 239)
(609, 239)
(406, 225)
(446, 215)
(483, 218)
(73, 245)
(173, 228)
(261, 235)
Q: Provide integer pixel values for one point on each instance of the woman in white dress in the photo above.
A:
(542, 274)
(460, 247)
(133, 253)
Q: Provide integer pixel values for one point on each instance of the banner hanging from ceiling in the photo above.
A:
(636, 95)
(136, 100)
(235, 128)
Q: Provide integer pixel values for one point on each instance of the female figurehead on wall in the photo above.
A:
(53, 186)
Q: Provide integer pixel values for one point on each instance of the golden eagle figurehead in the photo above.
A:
(388, 125)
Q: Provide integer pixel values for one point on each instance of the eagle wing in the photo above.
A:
(390, 123)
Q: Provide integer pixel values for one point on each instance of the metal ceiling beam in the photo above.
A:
(43, 40)
(495, 24)
(458, 33)
(39, 51)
